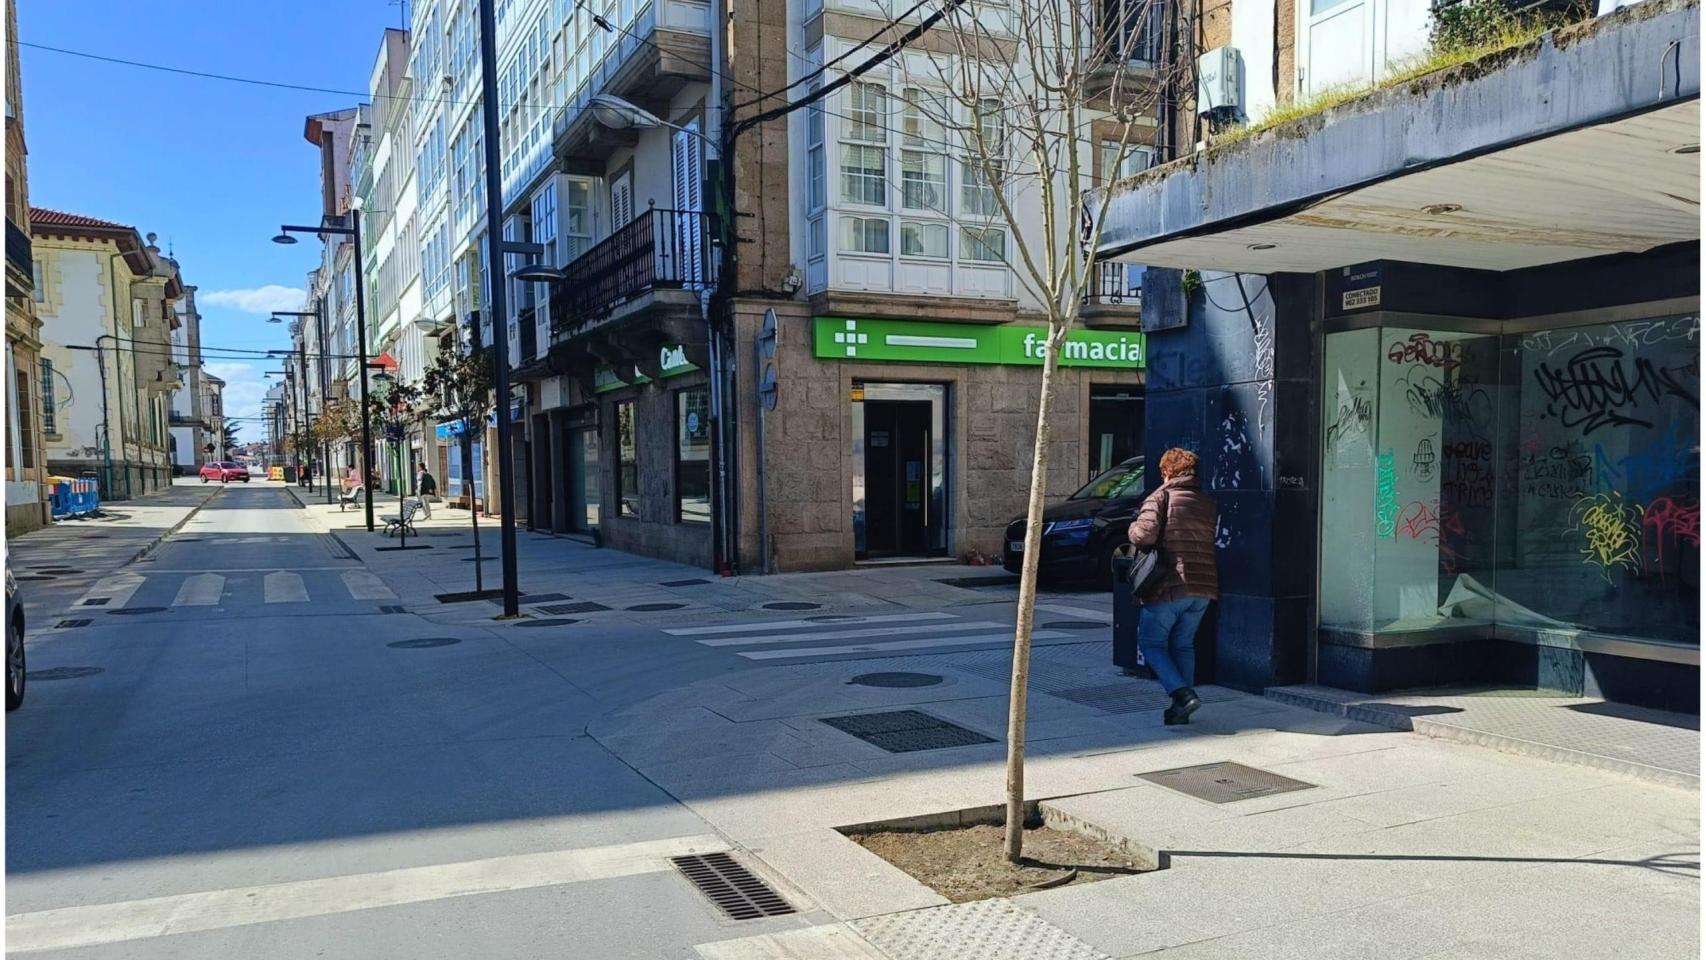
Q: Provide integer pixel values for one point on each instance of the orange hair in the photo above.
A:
(1177, 461)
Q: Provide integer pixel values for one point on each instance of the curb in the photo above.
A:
(1438, 730)
(149, 548)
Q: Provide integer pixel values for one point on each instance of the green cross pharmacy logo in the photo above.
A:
(851, 338)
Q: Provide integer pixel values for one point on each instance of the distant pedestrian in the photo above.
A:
(425, 488)
(352, 479)
(1167, 627)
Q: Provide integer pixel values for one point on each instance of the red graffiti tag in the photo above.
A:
(1669, 520)
(1421, 348)
(1424, 521)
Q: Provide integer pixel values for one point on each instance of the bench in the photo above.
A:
(405, 521)
(351, 497)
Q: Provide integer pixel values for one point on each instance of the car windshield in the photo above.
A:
(1115, 481)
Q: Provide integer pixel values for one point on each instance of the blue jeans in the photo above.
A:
(1167, 635)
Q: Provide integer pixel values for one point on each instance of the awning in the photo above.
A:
(1552, 153)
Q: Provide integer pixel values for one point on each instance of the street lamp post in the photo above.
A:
(353, 231)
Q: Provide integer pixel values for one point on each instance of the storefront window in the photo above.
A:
(1524, 485)
(692, 456)
(627, 462)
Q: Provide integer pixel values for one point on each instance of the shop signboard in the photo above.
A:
(912, 341)
(671, 357)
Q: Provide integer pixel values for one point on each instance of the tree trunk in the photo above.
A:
(1027, 603)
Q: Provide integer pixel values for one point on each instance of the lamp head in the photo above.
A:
(619, 114)
(538, 273)
(284, 238)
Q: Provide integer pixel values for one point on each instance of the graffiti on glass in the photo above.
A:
(1600, 387)
(1640, 333)
(1425, 350)
(1669, 522)
(1610, 528)
(1563, 472)
(1386, 495)
(1671, 459)
(1459, 402)
(1422, 461)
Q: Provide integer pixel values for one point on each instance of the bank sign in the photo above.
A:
(672, 360)
(910, 341)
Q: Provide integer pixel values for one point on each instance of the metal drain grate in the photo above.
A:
(655, 607)
(392, 608)
(64, 624)
(905, 731)
(790, 605)
(1224, 782)
(132, 611)
(423, 643)
(585, 606)
(684, 583)
(546, 622)
(896, 680)
(732, 887)
(97, 601)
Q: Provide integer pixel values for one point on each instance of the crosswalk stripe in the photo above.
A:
(759, 626)
(282, 586)
(891, 645)
(118, 589)
(201, 590)
(105, 923)
(1079, 612)
(366, 585)
(851, 634)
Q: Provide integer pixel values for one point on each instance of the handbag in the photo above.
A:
(1148, 566)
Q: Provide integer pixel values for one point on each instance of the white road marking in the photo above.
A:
(851, 634)
(201, 590)
(282, 586)
(366, 585)
(896, 645)
(83, 926)
(832, 941)
(118, 589)
(1079, 612)
(759, 626)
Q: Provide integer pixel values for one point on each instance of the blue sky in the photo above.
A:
(213, 167)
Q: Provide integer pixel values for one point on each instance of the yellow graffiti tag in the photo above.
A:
(1611, 532)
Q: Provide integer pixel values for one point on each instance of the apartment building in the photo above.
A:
(191, 440)
(107, 303)
(1438, 343)
(30, 382)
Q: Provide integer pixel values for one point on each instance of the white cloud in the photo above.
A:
(265, 299)
(244, 396)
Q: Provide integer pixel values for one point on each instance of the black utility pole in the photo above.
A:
(498, 308)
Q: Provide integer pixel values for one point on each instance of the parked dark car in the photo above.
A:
(1081, 533)
(14, 644)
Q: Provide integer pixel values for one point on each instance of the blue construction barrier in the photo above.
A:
(73, 497)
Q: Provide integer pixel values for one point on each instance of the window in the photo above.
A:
(35, 274)
(577, 218)
(26, 436)
(621, 201)
(866, 113)
(692, 456)
(48, 424)
(983, 243)
(921, 118)
(923, 180)
(923, 239)
(991, 125)
(864, 175)
(865, 234)
(815, 191)
(977, 190)
(628, 462)
(1137, 159)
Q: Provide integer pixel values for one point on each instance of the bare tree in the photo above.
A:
(458, 387)
(1034, 96)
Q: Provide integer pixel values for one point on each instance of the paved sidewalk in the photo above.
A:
(560, 576)
(56, 564)
(1401, 847)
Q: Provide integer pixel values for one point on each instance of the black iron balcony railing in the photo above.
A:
(1116, 283)
(658, 250)
(19, 256)
(1136, 30)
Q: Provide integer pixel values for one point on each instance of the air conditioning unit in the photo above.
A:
(1218, 75)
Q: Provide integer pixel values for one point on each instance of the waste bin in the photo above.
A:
(289, 474)
(1126, 612)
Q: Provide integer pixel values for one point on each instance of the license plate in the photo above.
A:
(1016, 546)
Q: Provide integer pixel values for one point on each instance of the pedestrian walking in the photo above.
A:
(1183, 519)
(425, 487)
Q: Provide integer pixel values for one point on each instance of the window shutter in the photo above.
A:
(687, 164)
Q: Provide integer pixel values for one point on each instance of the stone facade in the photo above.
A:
(26, 470)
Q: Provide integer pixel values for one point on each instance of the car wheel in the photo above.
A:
(14, 666)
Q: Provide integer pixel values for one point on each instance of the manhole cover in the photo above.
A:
(546, 622)
(896, 680)
(66, 624)
(584, 606)
(129, 611)
(790, 605)
(684, 583)
(1224, 782)
(732, 887)
(423, 643)
(1074, 625)
(906, 731)
(63, 673)
(654, 607)
(97, 601)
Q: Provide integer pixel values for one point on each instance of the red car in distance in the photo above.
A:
(224, 471)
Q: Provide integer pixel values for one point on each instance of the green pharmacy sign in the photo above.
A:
(912, 341)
